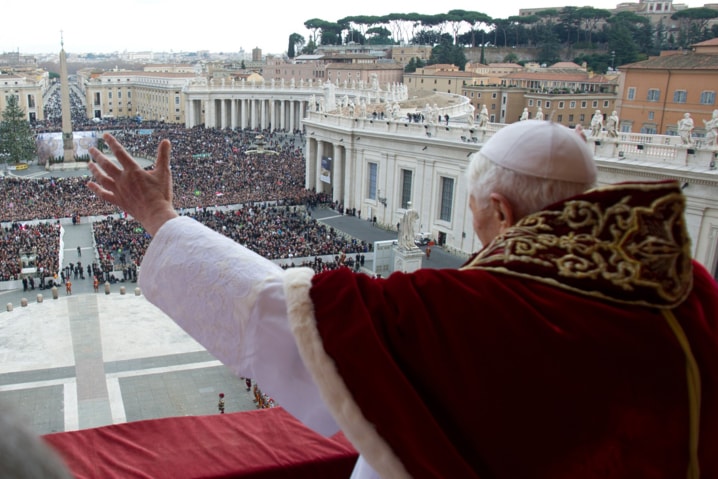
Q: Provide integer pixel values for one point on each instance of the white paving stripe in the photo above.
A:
(117, 406)
(72, 416)
(165, 369)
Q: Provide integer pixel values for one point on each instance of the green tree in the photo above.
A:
(17, 140)
(379, 36)
(309, 48)
(621, 42)
(549, 47)
(295, 40)
(447, 52)
(511, 58)
(331, 34)
(693, 24)
(627, 35)
(590, 18)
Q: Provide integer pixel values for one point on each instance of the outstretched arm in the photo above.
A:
(146, 195)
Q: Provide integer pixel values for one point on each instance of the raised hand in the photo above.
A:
(146, 195)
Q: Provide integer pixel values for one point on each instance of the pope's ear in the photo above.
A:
(503, 211)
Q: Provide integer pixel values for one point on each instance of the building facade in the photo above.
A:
(440, 78)
(149, 95)
(656, 93)
(28, 87)
(565, 94)
(383, 168)
(403, 54)
(338, 67)
(503, 104)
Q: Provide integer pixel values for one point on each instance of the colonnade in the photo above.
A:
(341, 183)
(262, 113)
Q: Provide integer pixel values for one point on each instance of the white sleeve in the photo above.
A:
(232, 301)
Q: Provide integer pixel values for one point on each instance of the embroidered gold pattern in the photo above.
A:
(626, 242)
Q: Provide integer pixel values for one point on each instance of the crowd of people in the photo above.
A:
(29, 246)
(276, 232)
(211, 167)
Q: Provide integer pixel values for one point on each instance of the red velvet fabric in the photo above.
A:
(268, 443)
(475, 374)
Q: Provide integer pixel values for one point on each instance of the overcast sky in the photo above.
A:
(216, 25)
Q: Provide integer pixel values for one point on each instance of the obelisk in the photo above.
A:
(67, 143)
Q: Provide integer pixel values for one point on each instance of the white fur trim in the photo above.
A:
(334, 392)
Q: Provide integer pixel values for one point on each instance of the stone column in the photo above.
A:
(318, 166)
(234, 114)
(310, 167)
(349, 185)
(291, 116)
(243, 113)
(272, 114)
(209, 116)
(223, 113)
(253, 114)
(337, 174)
(264, 113)
(280, 122)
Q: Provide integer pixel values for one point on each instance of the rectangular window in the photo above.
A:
(570, 118)
(654, 94)
(651, 115)
(119, 93)
(648, 130)
(561, 105)
(531, 103)
(493, 95)
(538, 103)
(109, 94)
(447, 198)
(405, 188)
(594, 104)
(373, 168)
(582, 118)
(679, 96)
(548, 104)
(584, 104)
(708, 98)
(605, 103)
(572, 104)
(560, 118)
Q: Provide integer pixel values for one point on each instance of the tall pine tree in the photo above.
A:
(17, 140)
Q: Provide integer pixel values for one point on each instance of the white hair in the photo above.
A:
(23, 454)
(526, 194)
